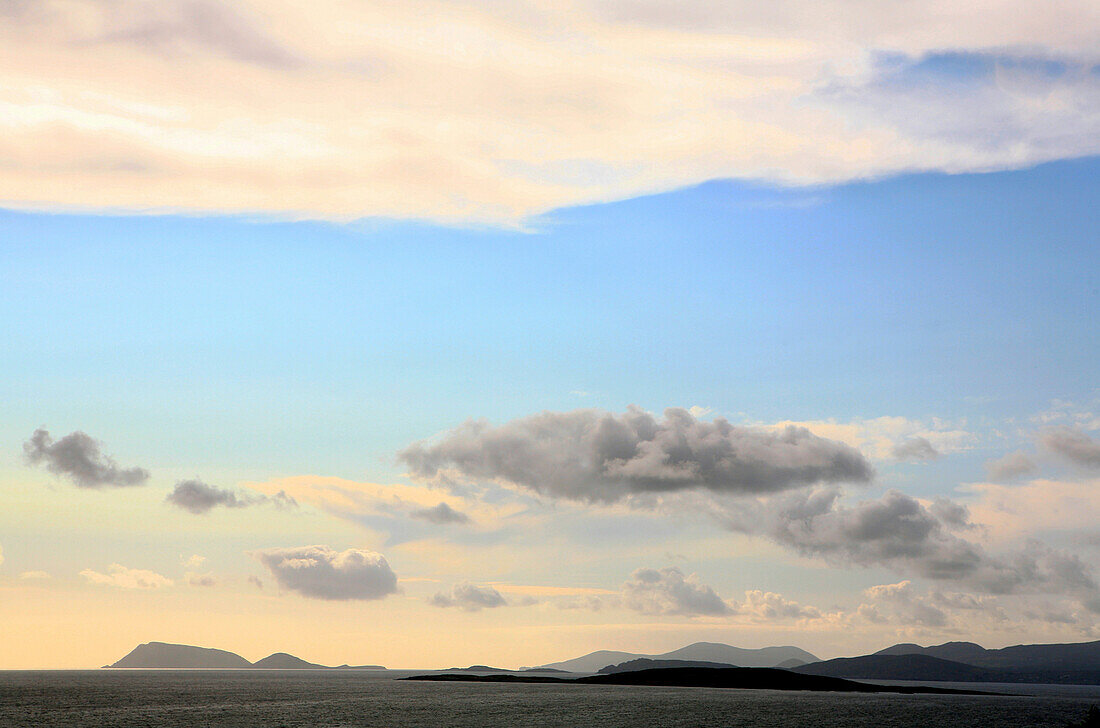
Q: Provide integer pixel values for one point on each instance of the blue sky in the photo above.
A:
(285, 346)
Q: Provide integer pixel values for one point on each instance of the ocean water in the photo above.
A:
(308, 699)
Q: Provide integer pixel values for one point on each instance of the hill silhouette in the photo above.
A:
(1074, 656)
(745, 678)
(697, 652)
(163, 655)
(644, 663)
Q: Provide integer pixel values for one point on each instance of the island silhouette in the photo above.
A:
(1068, 663)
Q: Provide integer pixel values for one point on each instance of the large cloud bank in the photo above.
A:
(78, 457)
(598, 456)
(323, 573)
(493, 112)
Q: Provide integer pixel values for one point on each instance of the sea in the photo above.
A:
(347, 698)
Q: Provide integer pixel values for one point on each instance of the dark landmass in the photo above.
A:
(645, 663)
(545, 669)
(924, 667)
(1076, 656)
(793, 662)
(697, 652)
(153, 655)
(477, 668)
(744, 678)
(283, 661)
(161, 654)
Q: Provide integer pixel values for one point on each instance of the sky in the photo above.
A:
(497, 333)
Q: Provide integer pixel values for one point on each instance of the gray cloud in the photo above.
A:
(598, 456)
(898, 532)
(469, 598)
(201, 580)
(668, 591)
(1011, 466)
(78, 456)
(256, 582)
(1073, 445)
(441, 514)
(322, 573)
(198, 497)
(916, 448)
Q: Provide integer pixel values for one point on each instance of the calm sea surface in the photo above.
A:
(156, 698)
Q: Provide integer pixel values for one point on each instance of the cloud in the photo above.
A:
(904, 605)
(1011, 466)
(469, 597)
(78, 457)
(520, 109)
(899, 532)
(198, 497)
(668, 591)
(195, 561)
(441, 514)
(256, 582)
(768, 606)
(125, 578)
(201, 579)
(35, 575)
(322, 573)
(1073, 445)
(891, 437)
(597, 456)
(917, 448)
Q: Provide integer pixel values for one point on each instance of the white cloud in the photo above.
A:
(126, 578)
(492, 112)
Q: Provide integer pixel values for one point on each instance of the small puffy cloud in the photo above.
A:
(198, 497)
(469, 597)
(195, 561)
(769, 606)
(1011, 466)
(441, 514)
(1073, 445)
(669, 591)
(915, 448)
(79, 457)
(201, 579)
(34, 575)
(323, 573)
(123, 577)
(596, 456)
